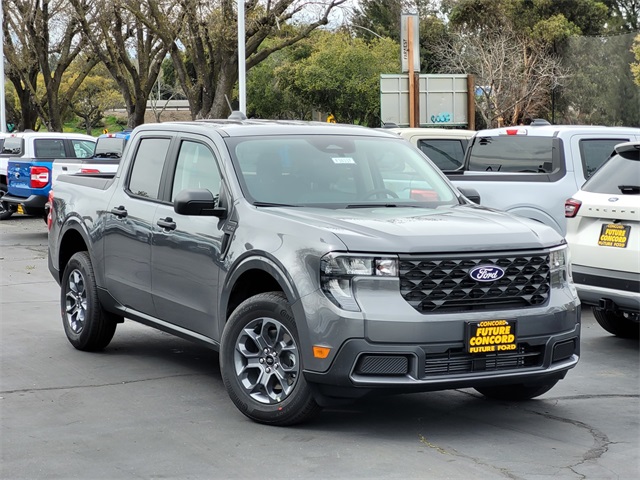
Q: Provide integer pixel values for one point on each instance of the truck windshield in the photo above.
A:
(110, 147)
(514, 153)
(336, 171)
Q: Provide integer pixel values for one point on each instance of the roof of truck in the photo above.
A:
(252, 127)
(554, 130)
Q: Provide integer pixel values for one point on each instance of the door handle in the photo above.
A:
(120, 211)
(167, 223)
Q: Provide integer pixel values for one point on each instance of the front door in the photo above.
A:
(186, 249)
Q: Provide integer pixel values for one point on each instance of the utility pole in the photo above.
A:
(3, 110)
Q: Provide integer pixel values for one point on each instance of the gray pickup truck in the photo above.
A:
(324, 262)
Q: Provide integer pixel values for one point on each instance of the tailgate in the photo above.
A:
(26, 177)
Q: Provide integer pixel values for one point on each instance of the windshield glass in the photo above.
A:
(514, 153)
(109, 147)
(336, 171)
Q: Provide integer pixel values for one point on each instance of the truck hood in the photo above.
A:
(414, 230)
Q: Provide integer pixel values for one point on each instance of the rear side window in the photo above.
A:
(595, 152)
(12, 146)
(622, 170)
(446, 154)
(514, 153)
(83, 148)
(49, 148)
(147, 167)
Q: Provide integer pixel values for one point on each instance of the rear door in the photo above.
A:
(128, 224)
(186, 252)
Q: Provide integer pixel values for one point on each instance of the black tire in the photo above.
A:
(517, 392)
(5, 212)
(87, 325)
(620, 324)
(261, 362)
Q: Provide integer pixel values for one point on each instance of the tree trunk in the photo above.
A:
(223, 89)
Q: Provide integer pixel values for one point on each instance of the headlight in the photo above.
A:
(338, 270)
(559, 266)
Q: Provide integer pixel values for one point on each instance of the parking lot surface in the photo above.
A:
(154, 406)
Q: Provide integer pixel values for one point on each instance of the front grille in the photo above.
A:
(457, 361)
(443, 285)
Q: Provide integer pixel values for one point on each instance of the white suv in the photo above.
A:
(603, 233)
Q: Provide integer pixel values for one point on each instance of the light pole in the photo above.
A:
(242, 81)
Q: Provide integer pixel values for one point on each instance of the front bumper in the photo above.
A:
(390, 347)
(361, 367)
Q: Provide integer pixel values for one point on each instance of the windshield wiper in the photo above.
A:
(270, 204)
(376, 205)
(629, 188)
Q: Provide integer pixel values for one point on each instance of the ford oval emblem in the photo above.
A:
(614, 199)
(486, 273)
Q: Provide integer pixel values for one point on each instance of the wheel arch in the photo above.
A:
(73, 238)
(251, 276)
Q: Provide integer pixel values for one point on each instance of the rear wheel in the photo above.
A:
(620, 324)
(517, 392)
(5, 212)
(261, 363)
(87, 325)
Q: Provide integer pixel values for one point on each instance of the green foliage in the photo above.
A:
(601, 89)
(329, 72)
(342, 76)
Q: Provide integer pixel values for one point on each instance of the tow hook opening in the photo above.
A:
(607, 305)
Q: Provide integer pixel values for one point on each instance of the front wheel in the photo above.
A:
(261, 365)
(620, 324)
(517, 392)
(88, 326)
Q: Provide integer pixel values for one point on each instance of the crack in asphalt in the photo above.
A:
(600, 439)
(74, 387)
(477, 461)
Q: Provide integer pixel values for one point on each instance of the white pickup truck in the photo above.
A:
(531, 170)
(25, 167)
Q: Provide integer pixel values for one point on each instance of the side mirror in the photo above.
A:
(198, 202)
(471, 193)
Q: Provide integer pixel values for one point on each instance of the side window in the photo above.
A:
(446, 154)
(49, 148)
(196, 168)
(595, 152)
(83, 148)
(147, 167)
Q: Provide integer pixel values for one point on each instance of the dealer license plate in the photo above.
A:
(20, 209)
(491, 336)
(614, 235)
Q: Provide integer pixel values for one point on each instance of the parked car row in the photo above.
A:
(31, 161)
(531, 170)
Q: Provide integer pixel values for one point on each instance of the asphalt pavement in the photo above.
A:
(153, 406)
